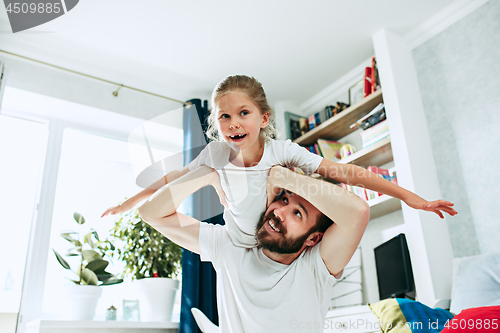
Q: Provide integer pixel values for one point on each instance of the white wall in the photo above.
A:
(458, 74)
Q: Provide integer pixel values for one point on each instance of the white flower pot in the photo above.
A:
(157, 297)
(82, 301)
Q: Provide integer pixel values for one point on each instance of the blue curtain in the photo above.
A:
(198, 278)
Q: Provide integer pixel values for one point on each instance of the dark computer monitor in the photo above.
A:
(394, 272)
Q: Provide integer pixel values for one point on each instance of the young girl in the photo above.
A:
(244, 149)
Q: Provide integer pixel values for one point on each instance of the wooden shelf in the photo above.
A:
(377, 154)
(383, 205)
(337, 126)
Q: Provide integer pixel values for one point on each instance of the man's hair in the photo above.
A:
(324, 222)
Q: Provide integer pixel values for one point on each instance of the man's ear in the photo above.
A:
(313, 238)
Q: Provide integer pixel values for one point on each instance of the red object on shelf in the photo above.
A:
(368, 83)
(373, 78)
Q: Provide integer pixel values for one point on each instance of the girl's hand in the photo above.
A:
(117, 209)
(437, 206)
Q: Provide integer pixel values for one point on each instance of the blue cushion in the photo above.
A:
(404, 316)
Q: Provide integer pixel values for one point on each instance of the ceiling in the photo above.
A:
(181, 49)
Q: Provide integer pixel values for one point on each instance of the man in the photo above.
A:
(282, 285)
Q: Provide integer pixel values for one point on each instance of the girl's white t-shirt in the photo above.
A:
(245, 188)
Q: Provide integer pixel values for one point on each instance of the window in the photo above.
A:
(22, 149)
(88, 169)
(94, 173)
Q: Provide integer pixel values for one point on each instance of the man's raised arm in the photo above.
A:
(160, 211)
(350, 213)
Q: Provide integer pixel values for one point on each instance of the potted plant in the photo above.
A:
(152, 260)
(90, 273)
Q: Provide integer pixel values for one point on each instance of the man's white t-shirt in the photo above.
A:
(256, 294)
(245, 188)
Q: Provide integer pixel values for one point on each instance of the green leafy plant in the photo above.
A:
(146, 252)
(92, 267)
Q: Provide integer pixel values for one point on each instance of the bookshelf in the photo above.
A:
(380, 153)
(383, 205)
(337, 126)
(377, 154)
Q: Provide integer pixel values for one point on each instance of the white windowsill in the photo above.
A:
(42, 323)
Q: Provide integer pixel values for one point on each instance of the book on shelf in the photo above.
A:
(312, 122)
(381, 136)
(367, 194)
(313, 149)
(330, 149)
(317, 119)
(329, 111)
(318, 150)
(375, 77)
(361, 192)
(368, 82)
(320, 117)
(372, 81)
(375, 133)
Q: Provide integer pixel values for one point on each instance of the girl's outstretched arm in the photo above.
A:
(160, 211)
(167, 199)
(354, 175)
(146, 193)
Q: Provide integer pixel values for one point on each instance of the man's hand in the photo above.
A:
(274, 184)
(437, 206)
(215, 183)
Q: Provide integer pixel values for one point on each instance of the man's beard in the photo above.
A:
(282, 245)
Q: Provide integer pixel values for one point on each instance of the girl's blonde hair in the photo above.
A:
(255, 92)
